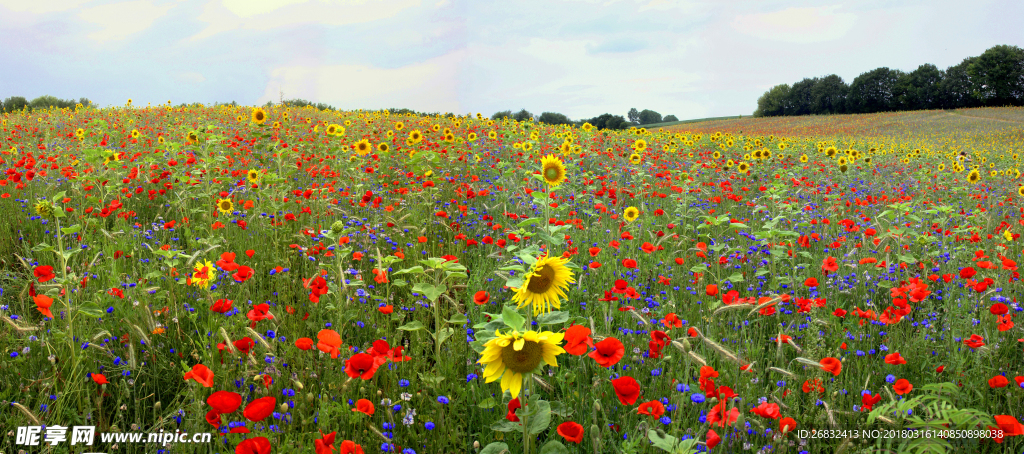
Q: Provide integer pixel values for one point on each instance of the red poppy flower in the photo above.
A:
(787, 425)
(629, 263)
(811, 282)
(304, 343)
(250, 253)
(895, 359)
(350, 447)
(513, 405)
(767, 410)
(213, 417)
(224, 401)
(259, 312)
(999, 309)
(594, 251)
(260, 408)
(386, 310)
(245, 344)
(712, 439)
(257, 445)
(100, 379)
(626, 389)
(243, 274)
(672, 320)
(578, 341)
(868, 401)
(720, 417)
(711, 290)
(998, 381)
(967, 273)
(221, 306)
(812, 385)
(653, 408)
(324, 444)
(481, 297)
(330, 342)
(201, 374)
(43, 304)
(364, 406)
(360, 365)
(44, 273)
(829, 265)
(571, 431)
(902, 386)
(609, 352)
(831, 365)
(318, 288)
(975, 341)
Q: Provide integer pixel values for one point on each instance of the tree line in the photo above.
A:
(16, 103)
(603, 121)
(994, 78)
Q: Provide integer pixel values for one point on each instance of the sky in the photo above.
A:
(691, 59)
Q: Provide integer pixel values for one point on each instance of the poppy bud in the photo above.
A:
(298, 385)
(284, 407)
(310, 397)
(157, 406)
(476, 445)
(595, 437)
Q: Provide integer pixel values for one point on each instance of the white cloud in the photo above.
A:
(190, 77)
(121, 20)
(432, 85)
(41, 6)
(225, 15)
(797, 25)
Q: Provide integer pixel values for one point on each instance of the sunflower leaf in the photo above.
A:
(513, 319)
(414, 325)
(554, 447)
(553, 318)
(538, 416)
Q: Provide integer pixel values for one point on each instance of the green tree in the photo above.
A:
(828, 96)
(648, 117)
(773, 102)
(633, 116)
(799, 101)
(873, 91)
(15, 103)
(920, 88)
(609, 121)
(502, 115)
(553, 118)
(998, 75)
(956, 90)
(669, 118)
(522, 115)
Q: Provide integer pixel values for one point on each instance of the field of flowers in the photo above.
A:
(294, 280)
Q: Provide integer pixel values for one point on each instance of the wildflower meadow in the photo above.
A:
(299, 280)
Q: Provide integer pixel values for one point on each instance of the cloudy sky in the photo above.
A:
(693, 59)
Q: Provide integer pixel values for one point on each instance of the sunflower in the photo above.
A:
(509, 356)
(743, 167)
(528, 146)
(44, 208)
(552, 170)
(640, 145)
(634, 159)
(544, 285)
(202, 274)
(942, 167)
(160, 140)
(565, 148)
(472, 136)
(631, 214)
(399, 126)
(974, 176)
(449, 137)
(803, 158)
(259, 116)
(492, 135)
(716, 155)
(1020, 191)
(587, 127)
(831, 151)
(225, 205)
(362, 147)
(332, 129)
(382, 147)
(253, 175)
(193, 137)
(415, 135)
(80, 132)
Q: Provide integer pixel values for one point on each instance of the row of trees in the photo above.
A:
(603, 121)
(16, 103)
(995, 78)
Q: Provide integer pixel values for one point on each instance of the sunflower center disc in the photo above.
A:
(542, 280)
(551, 173)
(525, 360)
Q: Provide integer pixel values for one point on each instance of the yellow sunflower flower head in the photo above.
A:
(545, 284)
(509, 356)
